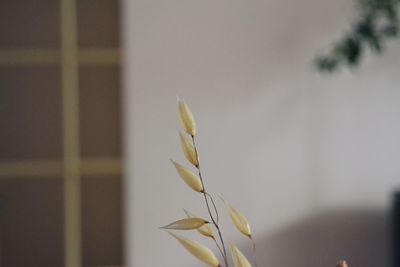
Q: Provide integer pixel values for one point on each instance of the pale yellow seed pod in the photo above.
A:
(186, 224)
(205, 230)
(186, 118)
(189, 177)
(239, 220)
(239, 260)
(188, 150)
(201, 252)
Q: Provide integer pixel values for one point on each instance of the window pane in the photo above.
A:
(101, 221)
(30, 117)
(31, 222)
(100, 111)
(29, 24)
(98, 23)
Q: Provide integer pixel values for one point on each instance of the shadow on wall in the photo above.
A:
(360, 237)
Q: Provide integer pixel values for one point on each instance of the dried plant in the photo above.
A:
(205, 227)
(199, 251)
(194, 222)
(238, 258)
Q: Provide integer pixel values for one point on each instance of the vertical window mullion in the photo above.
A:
(70, 89)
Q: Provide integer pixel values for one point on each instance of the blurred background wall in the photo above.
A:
(311, 159)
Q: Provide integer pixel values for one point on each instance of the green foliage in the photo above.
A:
(378, 22)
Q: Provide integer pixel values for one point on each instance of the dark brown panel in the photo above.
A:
(31, 223)
(100, 120)
(30, 113)
(98, 23)
(101, 221)
(29, 24)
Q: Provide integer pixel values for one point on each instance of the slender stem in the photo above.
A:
(254, 252)
(219, 248)
(208, 205)
(215, 207)
(223, 244)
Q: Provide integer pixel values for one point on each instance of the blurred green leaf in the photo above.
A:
(377, 23)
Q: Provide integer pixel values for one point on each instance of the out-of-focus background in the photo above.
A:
(310, 159)
(88, 123)
(60, 138)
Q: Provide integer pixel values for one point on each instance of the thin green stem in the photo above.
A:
(208, 205)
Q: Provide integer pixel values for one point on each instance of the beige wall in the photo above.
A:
(310, 159)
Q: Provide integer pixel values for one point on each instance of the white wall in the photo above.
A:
(310, 159)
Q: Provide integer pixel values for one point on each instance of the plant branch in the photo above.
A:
(254, 252)
(378, 22)
(208, 205)
(219, 248)
(215, 207)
